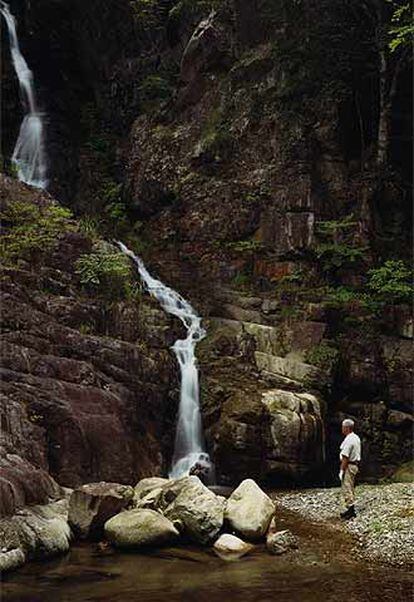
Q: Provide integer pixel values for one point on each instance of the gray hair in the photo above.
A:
(348, 422)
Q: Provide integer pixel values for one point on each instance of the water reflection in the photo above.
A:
(197, 575)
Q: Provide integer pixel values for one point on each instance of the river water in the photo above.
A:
(189, 446)
(321, 570)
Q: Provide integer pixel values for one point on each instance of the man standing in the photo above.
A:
(350, 457)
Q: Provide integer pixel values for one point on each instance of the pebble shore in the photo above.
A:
(384, 526)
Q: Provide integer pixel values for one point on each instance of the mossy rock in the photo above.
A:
(404, 474)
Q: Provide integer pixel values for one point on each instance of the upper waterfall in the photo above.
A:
(28, 156)
(189, 441)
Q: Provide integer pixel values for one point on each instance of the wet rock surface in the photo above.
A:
(34, 533)
(230, 547)
(280, 542)
(140, 528)
(198, 511)
(249, 510)
(91, 505)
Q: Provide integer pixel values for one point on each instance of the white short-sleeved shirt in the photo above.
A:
(351, 448)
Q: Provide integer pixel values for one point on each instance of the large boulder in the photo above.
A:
(21, 482)
(91, 505)
(269, 433)
(36, 532)
(195, 508)
(140, 528)
(146, 486)
(295, 434)
(230, 547)
(249, 510)
(12, 559)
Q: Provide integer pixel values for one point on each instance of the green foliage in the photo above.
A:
(155, 88)
(298, 276)
(377, 527)
(333, 228)
(32, 230)
(336, 256)
(323, 355)
(101, 187)
(108, 273)
(338, 248)
(185, 9)
(245, 246)
(85, 328)
(110, 191)
(340, 296)
(218, 144)
(12, 170)
(402, 26)
(91, 226)
(241, 280)
(392, 282)
(216, 139)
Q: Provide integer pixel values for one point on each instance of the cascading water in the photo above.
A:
(30, 160)
(28, 156)
(189, 441)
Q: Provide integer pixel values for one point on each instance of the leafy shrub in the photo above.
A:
(241, 280)
(323, 355)
(335, 256)
(340, 296)
(145, 12)
(110, 191)
(155, 88)
(337, 248)
(107, 272)
(217, 145)
(185, 9)
(90, 226)
(31, 230)
(334, 228)
(245, 246)
(392, 282)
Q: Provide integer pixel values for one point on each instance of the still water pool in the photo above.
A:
(323, 569)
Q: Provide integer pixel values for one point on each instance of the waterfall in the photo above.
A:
(28, 155)
(189, 441)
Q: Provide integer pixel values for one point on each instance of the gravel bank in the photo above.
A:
(383, 528)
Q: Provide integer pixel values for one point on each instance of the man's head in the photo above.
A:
(347, 426)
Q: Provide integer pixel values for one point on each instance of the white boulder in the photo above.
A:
(249, 510)
(197, 509)
(230, 547)
(140, 527)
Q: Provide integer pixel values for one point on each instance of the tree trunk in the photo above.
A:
(384, 121)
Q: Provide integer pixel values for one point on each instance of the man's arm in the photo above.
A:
(343, 466)
(344, 463)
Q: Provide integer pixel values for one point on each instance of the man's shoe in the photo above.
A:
(350, 513)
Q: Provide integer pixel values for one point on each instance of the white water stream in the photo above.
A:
(28, 156)
(189, 440)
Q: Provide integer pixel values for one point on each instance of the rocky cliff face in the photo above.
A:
(88, 384)
(235, 143)
(256, 172)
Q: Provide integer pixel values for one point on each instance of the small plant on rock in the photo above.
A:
(392, 282)
(31, 230)
(323, 355)
(105, 271)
